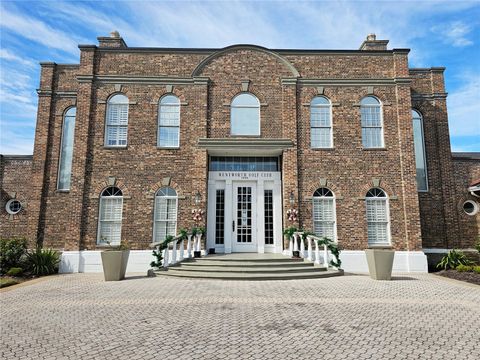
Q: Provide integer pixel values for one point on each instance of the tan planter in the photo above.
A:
(380, 263)
(115, 264)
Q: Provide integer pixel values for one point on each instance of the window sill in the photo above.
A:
(245, 136)
(381, 246)
(62, 191)
(115, 147)
(375, 149)
(168, 147)
(322, 148)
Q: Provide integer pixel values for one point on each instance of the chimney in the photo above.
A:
(372, 44)
(112, 41)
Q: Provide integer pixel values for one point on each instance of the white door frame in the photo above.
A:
(259, 181)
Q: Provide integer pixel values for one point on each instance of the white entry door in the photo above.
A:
(244, 216)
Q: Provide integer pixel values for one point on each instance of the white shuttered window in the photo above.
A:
(372, 122)
(110, 216)
(324, 214)
(321, 123)
(169, 122)
(117, 121)
(378, 225)
(165, 214)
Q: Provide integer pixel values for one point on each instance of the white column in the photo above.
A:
(295, 243)
(198, 242)
(212, 198)
(309, 246)
(166, 257)
(277, 216)
(189, 246)
(260, 217)
(302, 246)
(228, 216)
(174, 252)
(317, 253)
(325, 256)
(182, 245)
(290, 246)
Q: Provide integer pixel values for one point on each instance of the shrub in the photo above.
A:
(464, 268)
(14, 271)
(477, 245)
(453, 259)
(12, 253)
(7, 282)
(43, 261)
(476, 269)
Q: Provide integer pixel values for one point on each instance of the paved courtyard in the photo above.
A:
(80, 316)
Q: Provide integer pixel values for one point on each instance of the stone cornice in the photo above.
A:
(152, 80)
(353, 82)
(429, 96)
(244, 145)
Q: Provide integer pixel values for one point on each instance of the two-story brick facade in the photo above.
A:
(131, 140)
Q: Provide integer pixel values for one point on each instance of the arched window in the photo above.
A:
(245, 115)
(66, 149)
(372, 122)
(378, 217)
(321, 123)
(420, 157)
(110, 216)
(324, 213)
(169, 122)
(165, 214)
(117, 121)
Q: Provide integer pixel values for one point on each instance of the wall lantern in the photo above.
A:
(292, 198)
(198, 198)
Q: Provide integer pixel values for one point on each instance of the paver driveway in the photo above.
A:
(352, 317)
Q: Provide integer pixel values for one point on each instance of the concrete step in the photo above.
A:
(228, 263)
(249, 276)
(245, 258)
(246, 269)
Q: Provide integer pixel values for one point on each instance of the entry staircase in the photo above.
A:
(248, 266)
(178, 261)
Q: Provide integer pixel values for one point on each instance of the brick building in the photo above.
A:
(130, 140)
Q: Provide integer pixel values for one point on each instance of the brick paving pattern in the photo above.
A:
(80, 316)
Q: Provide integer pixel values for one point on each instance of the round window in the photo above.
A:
(470, 207)
(13, 206)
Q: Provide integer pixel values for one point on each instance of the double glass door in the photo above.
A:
(244, 217)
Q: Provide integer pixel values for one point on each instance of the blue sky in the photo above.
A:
(440, 33)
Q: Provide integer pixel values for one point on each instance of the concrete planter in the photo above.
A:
(380, 263)
(115, 264)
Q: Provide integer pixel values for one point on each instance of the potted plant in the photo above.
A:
(114, 261)
(380, 262)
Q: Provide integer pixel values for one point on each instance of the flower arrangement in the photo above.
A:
(197, 215)
(292, 215)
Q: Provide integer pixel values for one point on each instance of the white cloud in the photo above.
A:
(37, 31)
(454, 33)
(464, 108)
(7, 55)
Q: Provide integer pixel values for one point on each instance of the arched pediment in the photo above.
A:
(198, 70)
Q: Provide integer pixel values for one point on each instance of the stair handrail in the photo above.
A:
(172, 244)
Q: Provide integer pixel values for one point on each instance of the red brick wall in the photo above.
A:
(68, 220)
(15, 178)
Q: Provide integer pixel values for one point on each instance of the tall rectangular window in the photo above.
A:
(420, 158)
(66, 150)
(169, 122)
(110, 217)
(165, 214)
(320, 123)
(377, 217)
(324, 213)
(372, 123)
(220, 217)
(268, 203)
(117, 121)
